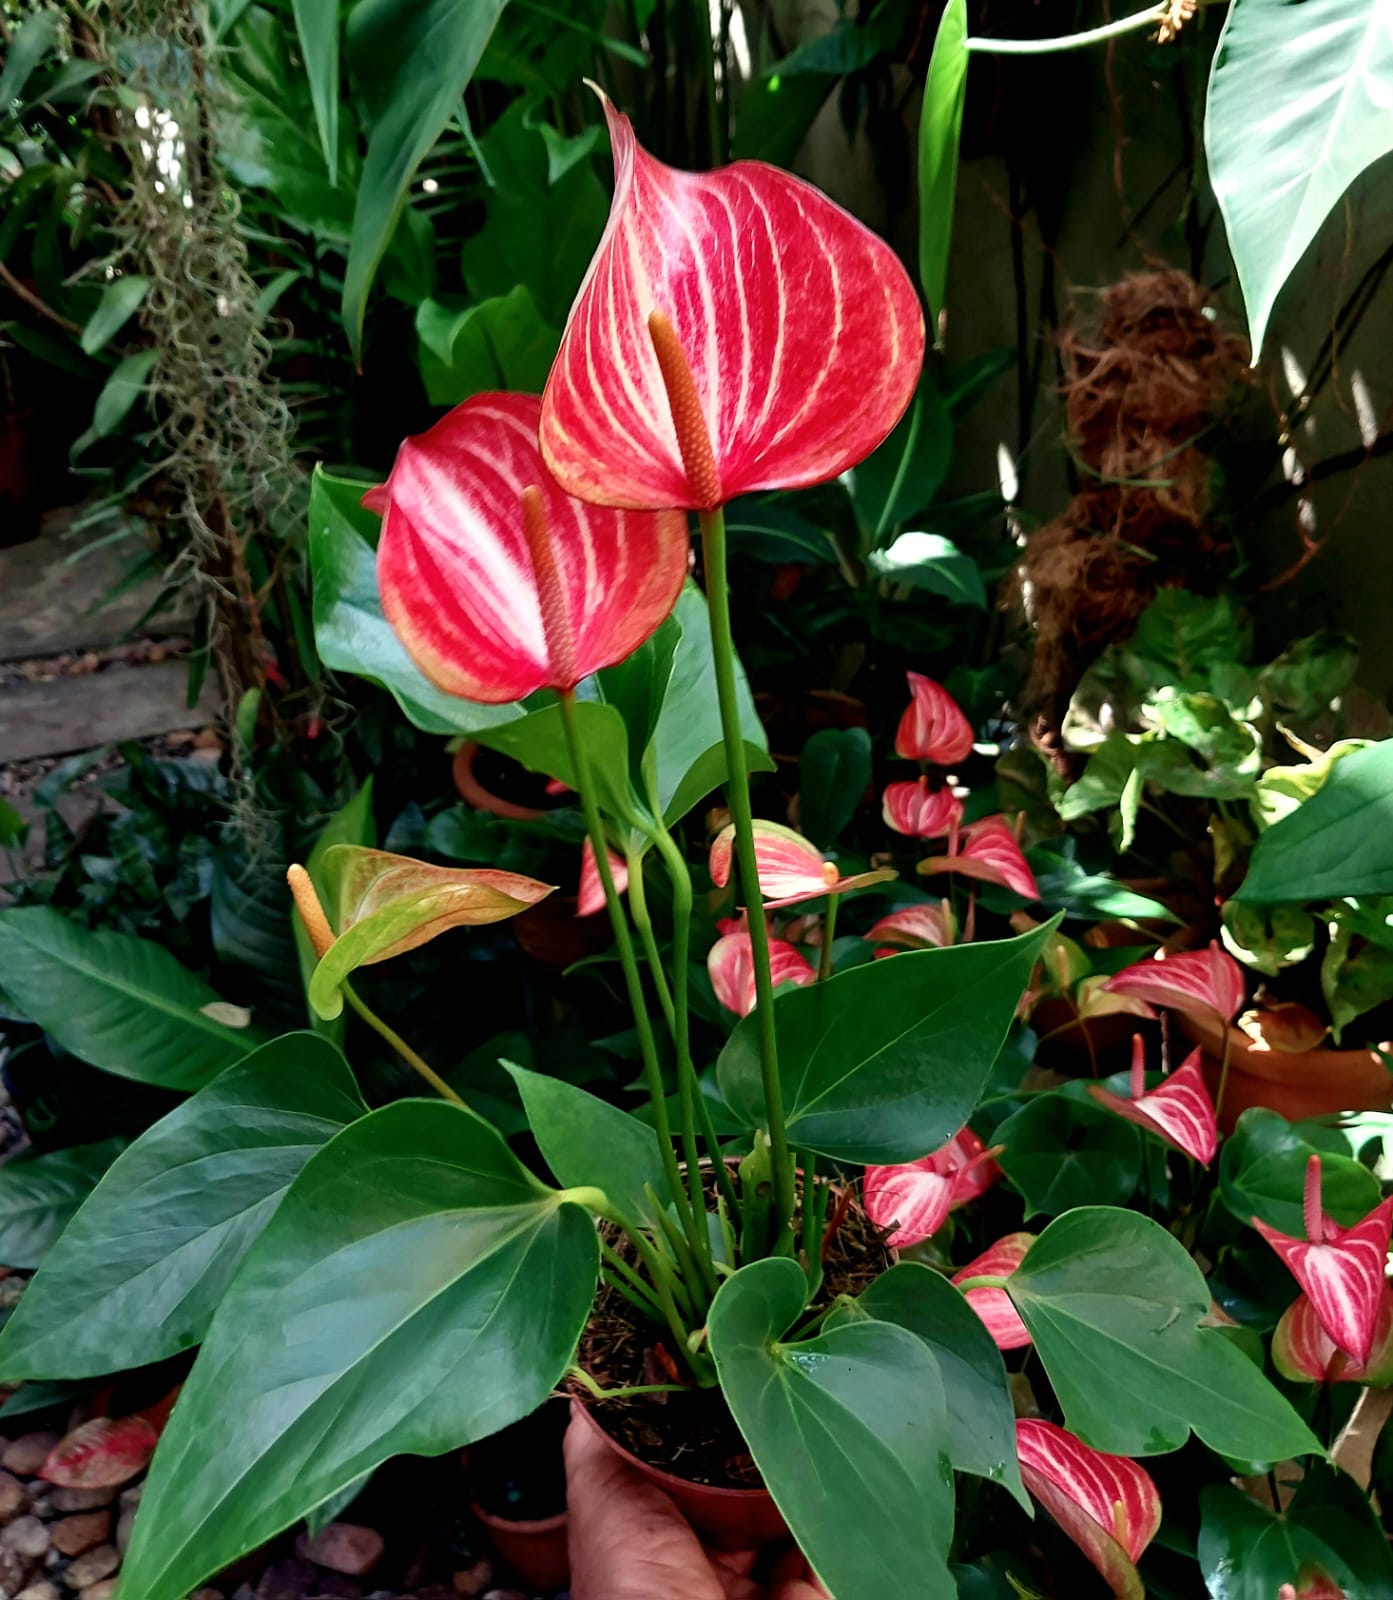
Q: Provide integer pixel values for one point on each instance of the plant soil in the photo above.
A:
(693, 1435)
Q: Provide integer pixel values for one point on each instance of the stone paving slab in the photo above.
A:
(59, 715)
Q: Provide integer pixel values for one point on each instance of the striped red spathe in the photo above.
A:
(1179, 1110)
(994, 1305)
(487, 612)
(802, 331)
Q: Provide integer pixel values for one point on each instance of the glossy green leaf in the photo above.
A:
(589, 1143)
(930, 562)
(1339, 842)
(1113, 1302)
(350, 631)
(769, 531)
(118, 304)
(351, 824)
(502, 343)
(417, 1289)
(32, 38)
(119, 393)
(387, 904)
(1297, 109)
(142, 1267)
(1062, 1152)
(886, 1062)
(1247, 1553)
(39, 1194)
(317, 26)
(1262, 1173)
(940, 128)
(981, 1421)
(538, 740)
(415, 58)
(834, 773)
(855, 1418)
(900, 477)
(122, 1003)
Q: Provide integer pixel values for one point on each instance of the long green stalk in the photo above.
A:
(1068, 41)
(713, 547)
(404, 1050)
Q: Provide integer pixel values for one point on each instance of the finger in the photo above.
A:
(793, 1579)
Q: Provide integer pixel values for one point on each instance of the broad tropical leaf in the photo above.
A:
(40, 1194)
(940, 128)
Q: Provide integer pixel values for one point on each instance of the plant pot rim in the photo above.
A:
(482, 799)
(665, 1480)
(523, 1525)
(1263, 1063)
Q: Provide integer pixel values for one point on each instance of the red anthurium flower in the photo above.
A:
(988, 850)
(914, 1199)
(927, 925)
(496, 581)
(995, 1306)
(791, 868)
(1178, 1111)
(730, 961)
(920, 812)
(1195, 981)
(933, 728)
(1107, 1504)
(796, 331)
(591, 897)
(1313, 1582)
(1340, 1269)
(1303, 1351)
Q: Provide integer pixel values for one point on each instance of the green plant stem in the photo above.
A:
(624, 1278)
(688, 1087)
(633, 981)
(985, 1281)
(829, 929)
(713, 548)
(660, 1273)
(583, 1378)
(693, 1268)
(638, 908)
(1068, 41)
(404, 1050)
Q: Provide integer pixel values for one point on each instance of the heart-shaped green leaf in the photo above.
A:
(886, 1062)
(1262, 1173)
(416, 1289)
(141, 1268)
(1062, 1152)
(40, 1194)
(388, 904)
(855, 1418)
(1113, 1303)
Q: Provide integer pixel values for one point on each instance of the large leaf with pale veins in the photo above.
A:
(886, 1062)
(39, 1194)
(1298, 107)
(1113, 1303)
(142, 1267)
(416, 1289)
(854, 1419)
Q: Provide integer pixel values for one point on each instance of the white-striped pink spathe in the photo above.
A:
(995, 1306)
(791, 868)
(591, 896)
(1304, 1352)
(1195, 981)
(1341, 1270)
(458, 579)
(1108, 1505)
(802, 330)
(933, 727)
(914, 1198)
(988, 851)
(926, 925)
(1178, 1110)
(730, 963)
(919, 812)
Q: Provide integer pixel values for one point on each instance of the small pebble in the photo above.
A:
(28, 1453)
(27, 1537)
(131, 1497)
(474, 1580)
(67, 1501)
(104, 1589)
(287, 1580)
(43, 1590)
(93, 1565)
(12, 1496)
(73, 1535)
(343, 1547)
(207, 1594)
(505, 1594)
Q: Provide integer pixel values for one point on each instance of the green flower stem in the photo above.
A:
(644, 1304)
(583, 1378)
(660, 1272)
(625, 1279)
(829, 930)
(638, 909)
(986, 1281)
(633, 981)
(400, 1045)
(694, 1267)
(713, 547)
(1069, 41)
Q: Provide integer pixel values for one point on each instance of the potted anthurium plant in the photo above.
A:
(366, 1283)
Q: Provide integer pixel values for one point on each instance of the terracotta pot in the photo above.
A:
(553, 935)
(729, 1519)
(482, 798)
(536, 1551)
(1298, 1083)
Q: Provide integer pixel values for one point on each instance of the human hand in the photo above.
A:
(628, 1541)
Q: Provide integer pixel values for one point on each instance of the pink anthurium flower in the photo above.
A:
(920, 812)
(914, 1199)
(791, 868)
(800, 331)
(1304, 1352)
(591, 897)
(993, 1305)
(933, 727)
(1107, 1504)
(497, 582)
(928, 925)
(1340, 1269)
(1179, 1110)
(1315, 1583)
(730, 962)
(988, 851)
(1195, 981)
